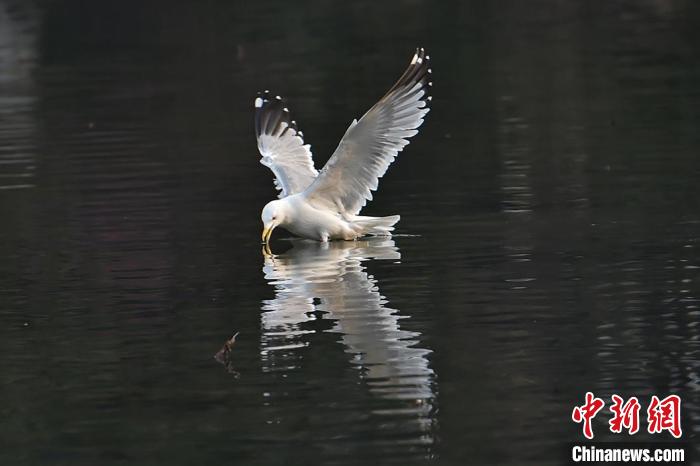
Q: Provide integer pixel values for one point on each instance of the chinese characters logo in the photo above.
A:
(662, 415)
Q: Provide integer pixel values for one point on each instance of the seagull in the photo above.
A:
(325, 205)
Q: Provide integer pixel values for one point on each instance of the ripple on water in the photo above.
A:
(329, 281)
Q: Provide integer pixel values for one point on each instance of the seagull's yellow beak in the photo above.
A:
(267, 252)
(267, 232)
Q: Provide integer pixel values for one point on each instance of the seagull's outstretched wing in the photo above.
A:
(281, 146)
(368, 147)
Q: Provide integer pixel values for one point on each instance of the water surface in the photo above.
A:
(548, 244)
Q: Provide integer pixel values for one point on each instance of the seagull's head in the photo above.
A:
(273, 215)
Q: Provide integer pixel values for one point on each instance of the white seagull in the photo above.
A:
(325, 205)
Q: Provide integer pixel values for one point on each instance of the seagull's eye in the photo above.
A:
(274, 217)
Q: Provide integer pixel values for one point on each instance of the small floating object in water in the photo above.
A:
(224, 353)
(223, 356)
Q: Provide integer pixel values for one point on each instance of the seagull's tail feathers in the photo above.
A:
(376, 226)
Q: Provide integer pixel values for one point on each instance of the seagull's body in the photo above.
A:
(305, 219)
(312, 222)
(325, 206)
(308, 221)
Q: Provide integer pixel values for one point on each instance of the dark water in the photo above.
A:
(549, 242)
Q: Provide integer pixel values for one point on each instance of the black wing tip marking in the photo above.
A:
(418, 71)
(271, 113)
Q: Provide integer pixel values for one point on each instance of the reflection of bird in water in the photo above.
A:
(330, 278)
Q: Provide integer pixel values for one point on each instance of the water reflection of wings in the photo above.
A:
(330, 278)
